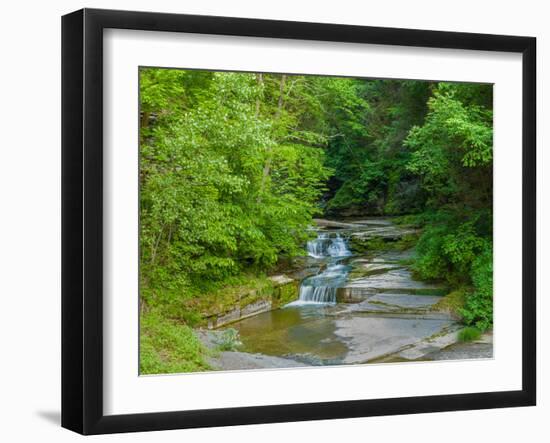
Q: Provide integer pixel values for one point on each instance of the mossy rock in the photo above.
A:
(362, 245)
(285, 293)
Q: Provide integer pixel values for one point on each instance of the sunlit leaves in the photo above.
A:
(207, 212)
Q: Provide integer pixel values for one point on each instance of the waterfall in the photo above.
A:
(321, 288)
(338, 247)
(317, 248)
(326, 246)
(319, 294)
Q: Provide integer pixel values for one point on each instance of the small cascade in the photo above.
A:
(317, 248)
(338, 247)
(327, 246)
(321, 288)
(317, 295)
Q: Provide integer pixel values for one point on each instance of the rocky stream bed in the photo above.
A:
(354, 305)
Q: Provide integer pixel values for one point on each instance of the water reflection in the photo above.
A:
(304, 333)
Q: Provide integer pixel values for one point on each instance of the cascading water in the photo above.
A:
(321, 288)
(338, 247)
(316, 248)
(326, 246)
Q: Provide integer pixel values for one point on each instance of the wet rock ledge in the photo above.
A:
(282, 290)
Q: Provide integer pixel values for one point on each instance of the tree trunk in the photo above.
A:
(260, 80)
(155, 245)
(143, 123)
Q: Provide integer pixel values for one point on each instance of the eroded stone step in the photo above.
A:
(383, 309)
(395, 278)
(357, 295)
(405, 300)
(445, 337)
(371, 337)
(364, 268)
(391, 233)
(421, 315)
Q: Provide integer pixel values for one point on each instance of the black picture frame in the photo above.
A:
(82, 218)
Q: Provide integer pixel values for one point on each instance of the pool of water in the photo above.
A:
(303, 333)
(376, 321)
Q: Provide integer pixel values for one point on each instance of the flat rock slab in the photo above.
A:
(370, 267)
(443, 346)
(375, 222)
(404, 301)
(395, 280)
(337, 224)
(394, 256)
(364, 309)
(462, 351)
(236, 361)
(372, 337)
(432, 344)
(384, 232)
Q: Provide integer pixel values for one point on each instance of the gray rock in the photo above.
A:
(401, 301)
(236, 361)
(369, 338)
(396, 280)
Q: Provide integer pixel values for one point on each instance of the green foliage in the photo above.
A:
(478, 310)
(230, 175)
(450, 244)
(228, 340)
(431, 264)
(217, 297)
(368, 155)
(167, 347)
(452, 151)
(411, 220)
(453, 303)
(469, 334)
(452, 154)
(234, 166)
(462, 255)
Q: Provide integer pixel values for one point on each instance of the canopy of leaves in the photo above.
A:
(234, 166)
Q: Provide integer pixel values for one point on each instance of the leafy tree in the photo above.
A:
(210, 207)
(452, 154)
(234, 166)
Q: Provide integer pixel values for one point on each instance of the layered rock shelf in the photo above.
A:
(353, 307)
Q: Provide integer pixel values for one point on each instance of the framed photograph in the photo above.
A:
(269, 221)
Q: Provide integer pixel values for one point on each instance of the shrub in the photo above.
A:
(469, 334)
(461, 254)
(431, 263)
(228, 340)
(478, 309)
(453, 303)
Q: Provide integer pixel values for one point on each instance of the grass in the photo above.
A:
(167, 341)
(167, 347)
(452, 303)
(228, 340)
(469, 333)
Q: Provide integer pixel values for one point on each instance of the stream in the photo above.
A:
(358, 307)
(321, 288)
